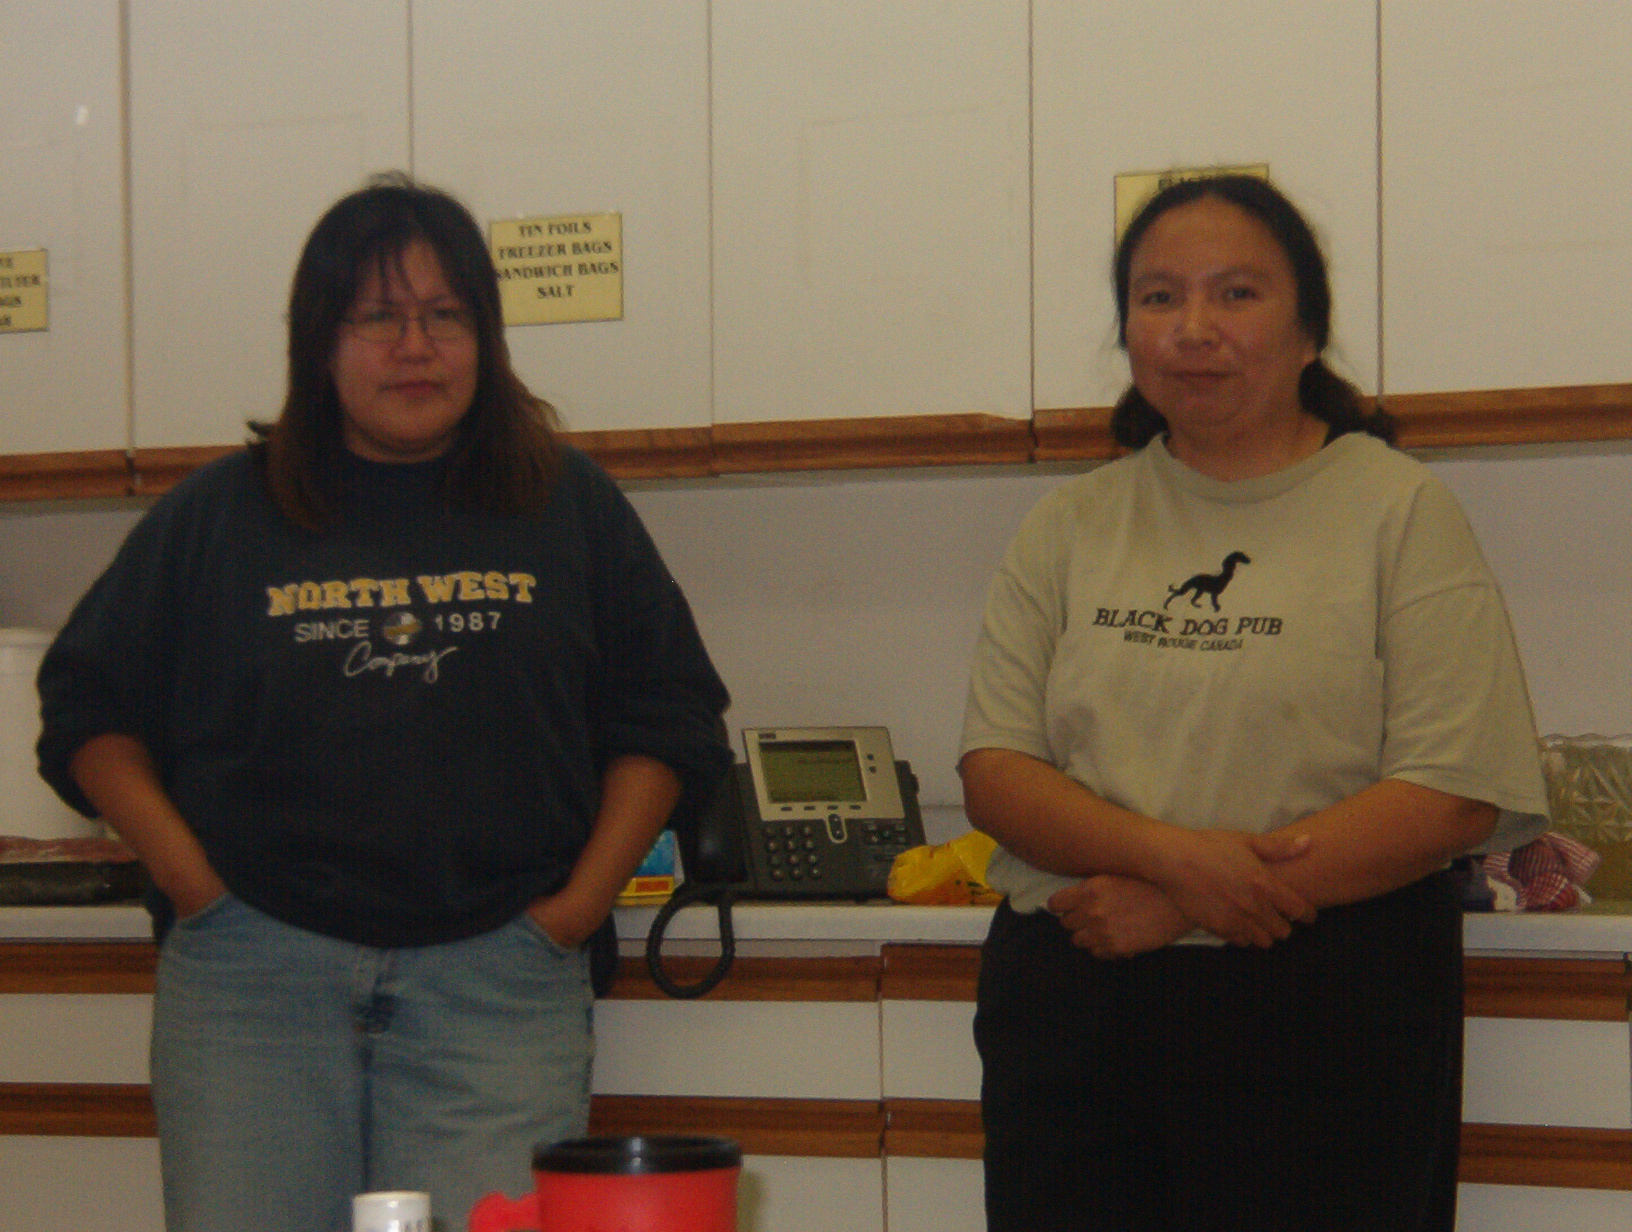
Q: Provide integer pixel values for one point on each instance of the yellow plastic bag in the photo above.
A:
(946, 875)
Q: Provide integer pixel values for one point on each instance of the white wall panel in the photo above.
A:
(1507, 156)
(70, 1184)
(870, 209)
(74, 1037)
(61, 189)
(1522, 1071)
(247, 121)
(1191, 83)
(935, 1195)
(779, 1193)
(776, 1049)
(577, 107)
(1525, 1208)
(929, 1050)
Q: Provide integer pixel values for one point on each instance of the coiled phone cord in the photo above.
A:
(692, 892)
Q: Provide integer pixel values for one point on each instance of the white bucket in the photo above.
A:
(28, 808)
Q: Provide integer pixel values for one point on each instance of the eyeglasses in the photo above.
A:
(387, 324)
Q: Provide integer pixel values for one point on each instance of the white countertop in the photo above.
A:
(1561, 934)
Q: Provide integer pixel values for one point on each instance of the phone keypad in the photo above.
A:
(792, 852)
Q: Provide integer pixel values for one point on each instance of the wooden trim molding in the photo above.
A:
(841, 444)
(64, 476)
(77, 967)
(128, 967)
(656, 453)
(1581, 990)
(76, 1110)
(929, 972)
(1513, 416)
(1551, 415)
(1548, 415)
(933, 1128)
(759, 979)
(831, 1128)
(1540, 1155)
(159, 470)
(1547, 1155)
(1069, 433)
(1578, 990)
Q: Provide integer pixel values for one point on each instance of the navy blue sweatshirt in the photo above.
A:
(392, 732)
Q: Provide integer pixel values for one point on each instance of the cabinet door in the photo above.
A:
(579, 107)
(1191, 83)
(1507, 156)
(65, 1184)
(870, 209)
(934, 1195)
(786, 1193)
(61, 175)
(247, 121)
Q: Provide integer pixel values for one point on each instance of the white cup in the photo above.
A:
(400, 1211)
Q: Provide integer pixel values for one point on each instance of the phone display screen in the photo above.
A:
(811, 770)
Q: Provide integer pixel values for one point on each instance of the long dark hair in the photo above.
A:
(505, 455)
(1324, 394)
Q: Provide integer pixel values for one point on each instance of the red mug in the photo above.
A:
(657, 1183)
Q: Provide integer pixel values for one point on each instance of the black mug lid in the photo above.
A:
(634, 1154)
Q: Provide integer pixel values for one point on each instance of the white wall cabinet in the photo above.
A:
(1507, 155)
(61, 189)
(1189, 83)
(585, 107)
(871, 209)
(247, 121)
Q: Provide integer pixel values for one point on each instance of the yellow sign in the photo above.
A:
(23, 287)
(565, 268)
(1137, 187)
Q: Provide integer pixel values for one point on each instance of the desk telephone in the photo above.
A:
(814, 813)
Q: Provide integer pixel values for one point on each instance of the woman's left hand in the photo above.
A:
(1118, 917)
(566, 918)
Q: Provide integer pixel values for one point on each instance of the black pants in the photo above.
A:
(1312, 1087)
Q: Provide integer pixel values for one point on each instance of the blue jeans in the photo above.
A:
(291, 1070)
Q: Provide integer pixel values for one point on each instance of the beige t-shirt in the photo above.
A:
(1240, 655)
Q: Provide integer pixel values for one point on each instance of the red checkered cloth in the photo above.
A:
(1549, 874)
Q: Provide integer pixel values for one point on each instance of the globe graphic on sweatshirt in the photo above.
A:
(401, 628)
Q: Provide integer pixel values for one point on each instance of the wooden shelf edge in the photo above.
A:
(76, 1110)
(1577, 990)
(657, 453)
(929, 972)
(77, 967)
(1537, 1155)
(1066, 434)
(1549, 1156)
(759, 979)
(159, 470)
(1559, 989)
(933, 1128)
(857, 444)
(1552, 415)
(830, 1128)
(1560, 1157)
(95, 474)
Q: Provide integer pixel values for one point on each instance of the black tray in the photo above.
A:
(63, 884)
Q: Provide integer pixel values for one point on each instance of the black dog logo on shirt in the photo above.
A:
(1210, 584)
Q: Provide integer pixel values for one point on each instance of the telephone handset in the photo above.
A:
(814, 813)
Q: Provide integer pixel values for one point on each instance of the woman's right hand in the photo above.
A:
(117, 774)
(1221, 880)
